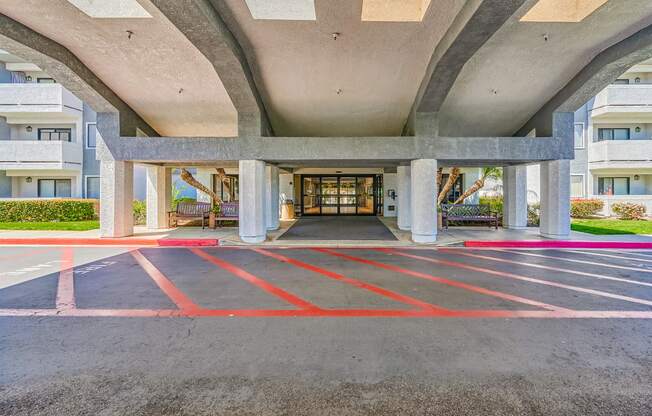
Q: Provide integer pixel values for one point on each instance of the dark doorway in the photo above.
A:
(339, 195)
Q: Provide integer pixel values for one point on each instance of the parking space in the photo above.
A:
(321, 282)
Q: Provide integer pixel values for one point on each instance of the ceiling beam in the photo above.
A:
(606, 67)
(205, 28)
(473, 26)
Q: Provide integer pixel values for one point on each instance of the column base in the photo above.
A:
(515, 227)
(404, 227)
(555, 236)
(424, 239)
(273, 227)
(253, 239)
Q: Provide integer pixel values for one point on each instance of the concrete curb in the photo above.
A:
(163, 242)
(559, 244)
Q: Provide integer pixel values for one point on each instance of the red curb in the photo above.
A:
(172, 242)
(559, 244)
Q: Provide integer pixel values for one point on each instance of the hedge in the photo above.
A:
(584, 208)
(628, 210)
(42, 210)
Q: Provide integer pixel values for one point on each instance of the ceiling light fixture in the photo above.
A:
(129, 34)
(335, 35)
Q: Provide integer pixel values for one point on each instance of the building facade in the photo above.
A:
(613, 144)
(47, 136)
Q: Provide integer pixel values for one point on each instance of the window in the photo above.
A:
(621, 81)
(91, 135)
(613, 186)
(63, 135)
(54, 188)
(46, 81)
(226, 189)
(577, 186)
(579, 135)
(93, 187)
(613, 134)
(456, 190)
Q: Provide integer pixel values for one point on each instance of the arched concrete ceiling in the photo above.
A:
(158, 72)
(378, 66)
(517, 71)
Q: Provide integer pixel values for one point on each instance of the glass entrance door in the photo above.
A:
(338, 195)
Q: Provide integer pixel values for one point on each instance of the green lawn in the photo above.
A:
(609, 226)
(56, 226)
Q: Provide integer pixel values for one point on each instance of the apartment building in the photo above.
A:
(47, 136)
(613, 144)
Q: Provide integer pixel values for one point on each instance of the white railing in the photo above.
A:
(35, 98)
(34, 154)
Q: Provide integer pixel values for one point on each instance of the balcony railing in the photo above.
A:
(37, 98)
(622, 100)
(34, 154)
(621, 151)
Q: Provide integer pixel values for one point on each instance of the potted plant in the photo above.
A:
(215, 212)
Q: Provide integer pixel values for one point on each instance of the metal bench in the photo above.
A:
(468, 213)
(229, 211)
(195, 210)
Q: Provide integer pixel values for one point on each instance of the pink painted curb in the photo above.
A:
(171, 242)
(559, 244)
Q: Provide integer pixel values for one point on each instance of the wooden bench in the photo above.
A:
(187, 210)
(468, 213)
(229, 211)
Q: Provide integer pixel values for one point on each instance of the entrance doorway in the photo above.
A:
(339, 194)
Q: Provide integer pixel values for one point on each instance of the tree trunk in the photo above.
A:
(477, 185)
(221, 175)
(440, 174)
(190, 180)
(452, 177)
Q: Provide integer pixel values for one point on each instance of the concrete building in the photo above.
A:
(613, 145)
(342, 94)
(47, 136)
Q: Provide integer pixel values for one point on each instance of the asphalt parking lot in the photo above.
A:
(181, 331)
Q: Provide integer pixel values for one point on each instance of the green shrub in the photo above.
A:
(585, 208)
(533, 211)
(140, 212)
(46, 210)
(494, 202)
(628, 210)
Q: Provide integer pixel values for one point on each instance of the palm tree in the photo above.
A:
(187, 177)
(452, 177)
(493, 173)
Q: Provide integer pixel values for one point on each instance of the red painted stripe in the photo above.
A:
(454, 283)
(354, 282)
(66, 285)
(323, 313)
(545, 282)
(121, 242)
(179, 298)
(245, 275)
(559, 244)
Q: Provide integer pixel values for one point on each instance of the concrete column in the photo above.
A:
(423, 200)
(404, 198)
(159, 193)
(116, 198)
(555, 199)
(252, 201)
(272, 197)
(515, 197)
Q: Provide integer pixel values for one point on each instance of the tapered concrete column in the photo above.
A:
(272, 197)
(555, 199)
(159, 190)
(252, 201)
(116, 198)
(404, 186)
(515, 197)
(423, 200)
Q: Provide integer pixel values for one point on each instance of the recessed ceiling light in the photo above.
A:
(563, 11)
(106, 9)
(394, 10)
(282, 9)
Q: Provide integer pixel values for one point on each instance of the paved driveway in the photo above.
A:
(181, 331)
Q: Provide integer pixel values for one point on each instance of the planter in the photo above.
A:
(439, 227)
(211, 220)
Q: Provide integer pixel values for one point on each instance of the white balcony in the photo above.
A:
(40, 155)
(22, 101)
(623, 104)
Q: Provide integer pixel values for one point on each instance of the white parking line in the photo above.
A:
(613, 266)
(603, 254)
